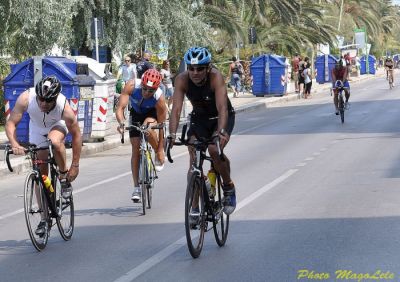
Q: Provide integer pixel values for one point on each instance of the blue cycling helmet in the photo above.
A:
(197, 56)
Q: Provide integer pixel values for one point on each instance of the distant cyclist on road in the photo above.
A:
(51, 117)
(148, 106)
(389, 65)
(212, 115)
(339, 72)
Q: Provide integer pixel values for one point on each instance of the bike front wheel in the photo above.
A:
(35, 208)
(65, 212)
(195, 217)
(143, 184)
(220, 220)
(341, 108)
(149, 188)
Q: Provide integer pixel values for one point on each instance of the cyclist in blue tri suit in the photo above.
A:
(212, 115)
(148, 106)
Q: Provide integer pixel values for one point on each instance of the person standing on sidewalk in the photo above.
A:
(302, 65)
(167, 83)
(144, 65)
(235, 72)
(126, 72)
(307, 80)
(295, 71)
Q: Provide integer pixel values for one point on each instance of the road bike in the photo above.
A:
(201, 206)
(390, 78)
(41, 204)
(341, 99)
(147, 172)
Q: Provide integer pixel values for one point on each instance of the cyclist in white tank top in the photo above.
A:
(50, 117)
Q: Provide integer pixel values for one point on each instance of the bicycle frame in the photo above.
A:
(44, 204)
(145, 177)
(198, 202)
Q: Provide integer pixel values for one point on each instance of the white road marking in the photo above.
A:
(77, 191)
(169, 250)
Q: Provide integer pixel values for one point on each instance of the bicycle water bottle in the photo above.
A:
(47, 183)
(208, 186)
(213, 179)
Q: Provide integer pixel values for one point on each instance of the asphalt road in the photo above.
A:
(313, 195)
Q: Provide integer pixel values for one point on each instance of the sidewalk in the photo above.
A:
(245, 102)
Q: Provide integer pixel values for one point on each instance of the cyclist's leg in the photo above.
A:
(346, 86)
(134, 136)
(223, 168)
(57, 136)
(335, 99)
(153, 138)
(40, 140)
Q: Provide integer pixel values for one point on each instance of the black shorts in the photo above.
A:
(136, 117)
(203, 127)
(301, 79)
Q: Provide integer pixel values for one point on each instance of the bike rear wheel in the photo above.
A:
(35, 208)
(65, 211)
(220, 220)
(195, 218)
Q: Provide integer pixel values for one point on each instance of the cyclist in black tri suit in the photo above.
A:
(389, 65)
(212, 115)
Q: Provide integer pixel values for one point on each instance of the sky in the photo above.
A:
(397, 2)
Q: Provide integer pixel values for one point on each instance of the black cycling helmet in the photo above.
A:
(48, 88)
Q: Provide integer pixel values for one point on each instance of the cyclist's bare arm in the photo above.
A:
(161, 110)
(73, 127)
(123, 101)
(20, 107)
(177, 101)
(221, 98)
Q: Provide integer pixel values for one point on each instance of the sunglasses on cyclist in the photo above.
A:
(150, 90)
(198, 69)
(48, 101)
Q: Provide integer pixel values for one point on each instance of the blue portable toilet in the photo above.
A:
(396, 59)
(267, 71)
(371, 64)
(21, 78)
(324, 65)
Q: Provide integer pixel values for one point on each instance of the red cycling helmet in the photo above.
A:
(151, 78)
